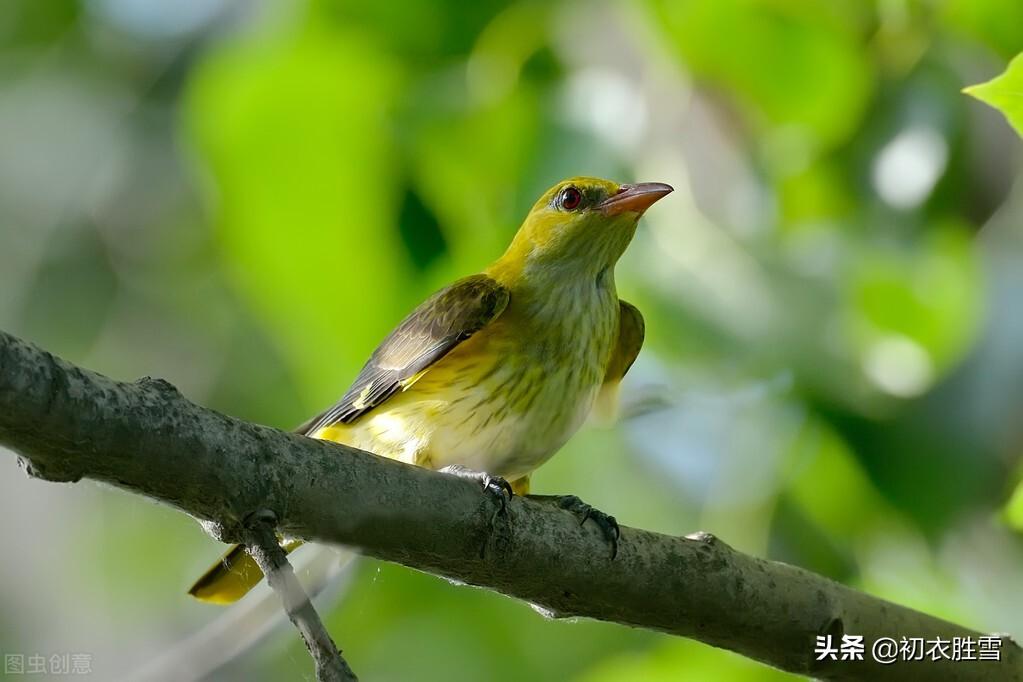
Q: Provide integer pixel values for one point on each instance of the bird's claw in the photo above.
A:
(494, 486)
(607, 523)
(500, 488)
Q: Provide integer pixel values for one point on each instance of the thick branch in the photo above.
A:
(69, 423)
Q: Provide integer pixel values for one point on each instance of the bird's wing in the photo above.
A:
(429, 333)
(631, 330)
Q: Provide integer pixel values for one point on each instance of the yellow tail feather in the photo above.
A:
(233, 576)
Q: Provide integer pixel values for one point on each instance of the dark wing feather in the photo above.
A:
(631, 331)
(429, 333)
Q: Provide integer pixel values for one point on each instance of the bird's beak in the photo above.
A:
(636, 198)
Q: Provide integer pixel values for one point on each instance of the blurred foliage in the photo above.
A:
(1005, 93)
(1014, 509)
(244, 197)
(809, 75)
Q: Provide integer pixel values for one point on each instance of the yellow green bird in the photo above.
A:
(490, 376)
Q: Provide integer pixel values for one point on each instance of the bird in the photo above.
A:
(490, 376)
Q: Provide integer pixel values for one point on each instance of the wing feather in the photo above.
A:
(631, 331)
(430, 332)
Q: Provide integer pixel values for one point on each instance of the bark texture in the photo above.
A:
(67, 423)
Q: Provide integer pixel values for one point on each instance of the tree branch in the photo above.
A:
(270, 557)
(68, 423)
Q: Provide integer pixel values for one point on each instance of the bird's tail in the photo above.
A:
(232, 576)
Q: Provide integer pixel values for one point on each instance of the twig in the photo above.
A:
(263, 547)
(233, 631)
(68, 423)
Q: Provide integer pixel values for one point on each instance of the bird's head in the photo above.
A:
(580, 226)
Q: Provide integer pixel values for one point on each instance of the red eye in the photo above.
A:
(570, 198)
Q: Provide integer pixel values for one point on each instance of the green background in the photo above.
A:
(244, 197)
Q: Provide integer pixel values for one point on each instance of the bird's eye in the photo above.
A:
(570, 198)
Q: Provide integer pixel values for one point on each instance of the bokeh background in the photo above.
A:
(243, 197)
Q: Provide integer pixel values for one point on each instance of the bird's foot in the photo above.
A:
(607, 523)
(494, 486)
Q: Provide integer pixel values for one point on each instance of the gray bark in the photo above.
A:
(68, 423)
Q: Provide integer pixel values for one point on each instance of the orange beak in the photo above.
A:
(636, 198)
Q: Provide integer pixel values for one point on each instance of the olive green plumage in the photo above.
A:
(429, 332)
(497, 371)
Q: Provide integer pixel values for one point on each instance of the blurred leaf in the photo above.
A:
(818, 193)
(473, 192)
(295, 130)
(1014, 509)
(795, 64)
(915, 309)
(831, 487)
(1005, 93)
(29, 22)
(423, 32)
(997, 23)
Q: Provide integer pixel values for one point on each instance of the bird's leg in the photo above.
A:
(607, 523)
(495, 486)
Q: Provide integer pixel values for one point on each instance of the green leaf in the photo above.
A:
(1014, 509)
(1005, 93)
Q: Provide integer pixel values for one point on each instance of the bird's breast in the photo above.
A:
(507, 398)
